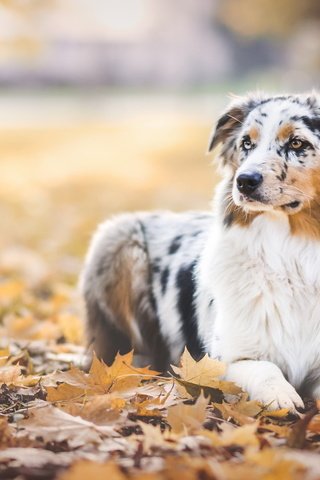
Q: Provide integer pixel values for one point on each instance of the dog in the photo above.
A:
(242, 283)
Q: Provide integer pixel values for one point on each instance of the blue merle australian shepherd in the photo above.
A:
(242, 283)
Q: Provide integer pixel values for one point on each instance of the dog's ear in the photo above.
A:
(229, 123)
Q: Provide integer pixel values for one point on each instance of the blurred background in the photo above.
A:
(107, 105)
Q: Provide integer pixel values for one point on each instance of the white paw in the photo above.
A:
(276, 395)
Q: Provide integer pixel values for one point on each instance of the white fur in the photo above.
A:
(267, 293)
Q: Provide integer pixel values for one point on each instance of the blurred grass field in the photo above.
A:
(65, 168)
(59, 181)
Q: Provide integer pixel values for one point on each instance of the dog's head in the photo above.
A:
(271, 147)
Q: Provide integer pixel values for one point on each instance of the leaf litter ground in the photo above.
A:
(132, 423)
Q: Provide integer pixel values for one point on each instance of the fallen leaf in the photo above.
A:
(184, 418)
(64, 392)
(83, 470)
(204, 374)
(243, 436)
(100, 409)
(281, 413)
(152, 437)
(242, 411)
(10, 374)
(200, 373)
(55, 425)
(297, 436)
(121, 376)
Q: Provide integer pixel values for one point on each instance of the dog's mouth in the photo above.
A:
(256, 202)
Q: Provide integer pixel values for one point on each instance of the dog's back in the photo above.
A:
(138, 285)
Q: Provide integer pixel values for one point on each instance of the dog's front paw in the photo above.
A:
(276, 395)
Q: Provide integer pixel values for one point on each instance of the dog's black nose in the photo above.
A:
(249, 182)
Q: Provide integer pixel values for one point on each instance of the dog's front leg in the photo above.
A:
(264, 382)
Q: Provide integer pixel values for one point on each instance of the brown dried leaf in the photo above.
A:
(64, 392)
(100, 409)
(185, 419)
(10, 374)
(242, 412)
(54, 425)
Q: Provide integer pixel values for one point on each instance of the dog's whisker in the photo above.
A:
(234, 118)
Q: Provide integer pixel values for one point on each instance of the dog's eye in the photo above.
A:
(246, 144)
(296, 144)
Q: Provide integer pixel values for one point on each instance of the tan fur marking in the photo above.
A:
(120, 295)
(307, 222)
(285, 131)
(242, 218)
(254, 133)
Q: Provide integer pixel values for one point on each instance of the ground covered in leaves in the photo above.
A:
(132, 423)
(120, 422)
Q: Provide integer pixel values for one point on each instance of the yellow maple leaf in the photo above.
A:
(206, 374)
(203, 372)
(122, 365)
(119, 377)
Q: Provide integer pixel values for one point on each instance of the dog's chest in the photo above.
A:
(268, 288)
